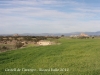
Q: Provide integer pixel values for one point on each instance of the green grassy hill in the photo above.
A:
(71, 57)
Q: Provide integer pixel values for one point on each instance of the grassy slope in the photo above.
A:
(80, 56)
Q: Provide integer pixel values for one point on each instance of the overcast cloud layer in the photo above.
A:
(49, 16)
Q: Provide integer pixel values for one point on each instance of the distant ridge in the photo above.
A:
(55, 34)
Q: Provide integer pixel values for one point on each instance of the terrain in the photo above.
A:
(71, 57)
(97, 33)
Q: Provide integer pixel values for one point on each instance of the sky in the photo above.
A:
(49, 16)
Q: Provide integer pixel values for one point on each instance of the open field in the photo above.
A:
(71, 57)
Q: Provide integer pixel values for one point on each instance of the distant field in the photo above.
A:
(71, 57)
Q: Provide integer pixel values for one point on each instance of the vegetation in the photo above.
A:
(20, 41)
(72, 56)
(18, 44)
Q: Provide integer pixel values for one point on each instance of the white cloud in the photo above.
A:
(89, 10)
(40, 12)
(27, 16)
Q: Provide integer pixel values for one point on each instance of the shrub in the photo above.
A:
(4, 48)
(18, 44)
(0, 48)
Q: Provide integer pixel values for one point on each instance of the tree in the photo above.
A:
(62, 35)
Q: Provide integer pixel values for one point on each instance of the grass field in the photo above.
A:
(71, 57)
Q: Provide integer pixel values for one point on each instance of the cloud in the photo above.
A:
(38, 17)
(88, 10)
(40, 12)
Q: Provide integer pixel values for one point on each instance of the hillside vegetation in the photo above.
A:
(71, 57)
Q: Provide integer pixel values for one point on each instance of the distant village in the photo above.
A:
(81, 36)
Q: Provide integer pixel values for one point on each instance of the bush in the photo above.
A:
(0, 48)
(4, 48)
(18, 44)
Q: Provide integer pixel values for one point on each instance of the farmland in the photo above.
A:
(71, 57)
